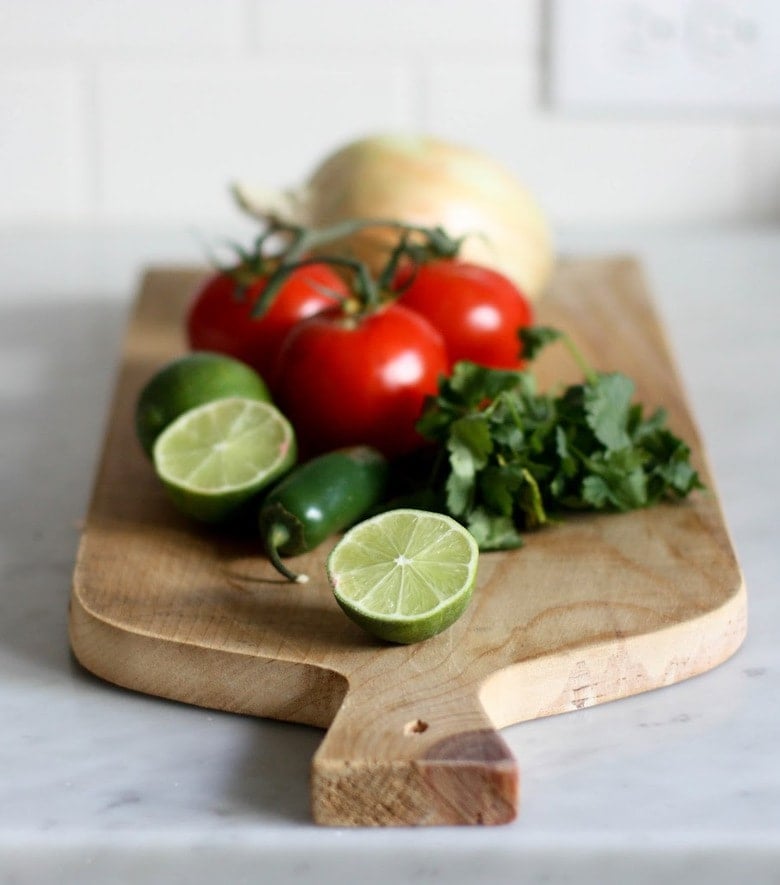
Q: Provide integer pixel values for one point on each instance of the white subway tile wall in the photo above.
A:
(116, 111)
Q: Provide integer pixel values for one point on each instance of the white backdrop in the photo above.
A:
(116, 111)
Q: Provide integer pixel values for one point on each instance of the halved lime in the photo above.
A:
(188, 381)
(404, 575)
(215, 457)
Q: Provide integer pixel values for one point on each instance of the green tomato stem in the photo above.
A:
(305, 241)
(367, 289)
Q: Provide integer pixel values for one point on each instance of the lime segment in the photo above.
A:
(189, 381)
(215, 457)
(404, 575)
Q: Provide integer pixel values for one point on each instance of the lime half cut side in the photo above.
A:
(404, 575)
(213, 458)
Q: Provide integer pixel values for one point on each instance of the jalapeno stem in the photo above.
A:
(277, 535)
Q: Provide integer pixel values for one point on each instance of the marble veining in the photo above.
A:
(99, 784)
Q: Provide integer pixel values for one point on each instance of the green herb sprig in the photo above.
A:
(517, 458)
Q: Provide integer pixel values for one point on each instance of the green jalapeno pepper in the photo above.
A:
(319, 498)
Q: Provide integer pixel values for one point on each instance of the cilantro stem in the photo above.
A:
(591, 376)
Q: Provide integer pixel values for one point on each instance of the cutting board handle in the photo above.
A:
(411, 760)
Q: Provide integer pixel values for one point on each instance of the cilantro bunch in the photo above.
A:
(513, 458)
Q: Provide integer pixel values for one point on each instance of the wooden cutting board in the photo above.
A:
(597, 608)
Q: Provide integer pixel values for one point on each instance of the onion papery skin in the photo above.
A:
(422, 180)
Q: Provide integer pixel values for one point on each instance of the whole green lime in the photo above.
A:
(192, 380)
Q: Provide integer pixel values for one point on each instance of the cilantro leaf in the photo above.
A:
(492, 532)
(469, 445)
(516, 457)
(497, 485)
(607, 401)
(470, 384)
(621, 480)
(535, 338)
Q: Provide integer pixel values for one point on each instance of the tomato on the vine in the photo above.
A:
(477, 310)
(349, 379)
(221, 315)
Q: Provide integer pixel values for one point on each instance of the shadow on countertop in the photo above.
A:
(59, 363)
(58, 367)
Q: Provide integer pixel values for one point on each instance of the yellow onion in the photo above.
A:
(423, 181)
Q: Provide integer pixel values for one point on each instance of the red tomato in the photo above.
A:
(345, 380)
(477, 310)
(220, 315)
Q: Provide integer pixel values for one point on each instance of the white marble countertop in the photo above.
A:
(100, 785)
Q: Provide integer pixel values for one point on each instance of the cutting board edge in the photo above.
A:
(636, 666)
(312, 694)
(305, 694)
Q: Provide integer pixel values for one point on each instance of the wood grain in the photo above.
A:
(598, 608)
